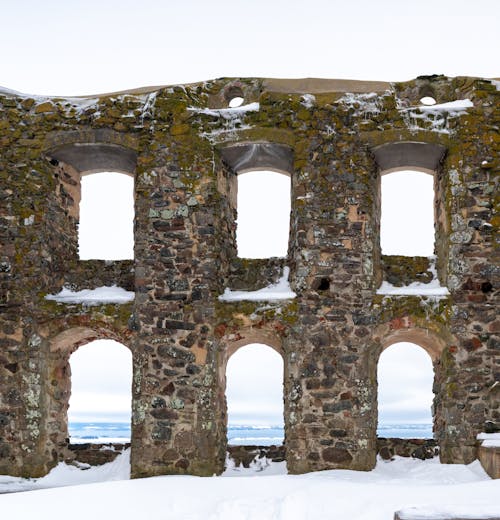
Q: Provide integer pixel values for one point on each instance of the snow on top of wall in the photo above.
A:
(496, 83)
(281, 290)
(80, 103)
(231, 119)
(456, 107)
(75, 101)
(368, 103)
(308, 100)
(227, 113)
(97, 296)
(10, 92)
(433, 288)
(490, 440)
(435, 116)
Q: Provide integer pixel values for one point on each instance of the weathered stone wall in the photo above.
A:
(184, 148)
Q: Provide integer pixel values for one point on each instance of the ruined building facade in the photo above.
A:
(185, 147)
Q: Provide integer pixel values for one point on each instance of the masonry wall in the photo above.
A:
(185, 148)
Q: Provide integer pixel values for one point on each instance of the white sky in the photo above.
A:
(71, 47)
(101, 382)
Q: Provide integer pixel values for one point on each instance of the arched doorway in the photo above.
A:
(254, 394)
(100, 400)
(405, 377)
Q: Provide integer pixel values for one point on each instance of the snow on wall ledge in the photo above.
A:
(489, 440)
(414, 289)
(96, 296)
(278, 291)
(433, 288)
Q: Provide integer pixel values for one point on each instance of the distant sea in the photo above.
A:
(101, 432)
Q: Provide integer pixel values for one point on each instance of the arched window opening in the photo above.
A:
(405, 380)
(407, 214)
(101, 393)
(254, 392)
(106, 229)
(263, 214)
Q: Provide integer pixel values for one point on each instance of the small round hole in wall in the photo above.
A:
(235, 96)
(236, 102)
(428, 101)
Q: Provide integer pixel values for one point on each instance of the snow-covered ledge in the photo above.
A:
(489, 454)
(489, 440)
(98, 296)
(433, 288)
(281, 290)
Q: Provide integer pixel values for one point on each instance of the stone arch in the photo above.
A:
(229, 344)
(431, 342)
(406, 378)
(74, 155)
(92, 151)
(402, 329)
(61, 346)
(246, 157)
(409, 155)
(87, 158)
(70, 339)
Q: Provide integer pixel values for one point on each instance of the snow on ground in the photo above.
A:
(278, 291)
(474, 512)
(68, 475)
(96, 296)
(340, 494)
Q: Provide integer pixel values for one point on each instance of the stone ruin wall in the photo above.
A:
(184, 148)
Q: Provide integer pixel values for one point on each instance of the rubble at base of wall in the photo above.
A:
(421, 449)
(387, 448)
(97, 454)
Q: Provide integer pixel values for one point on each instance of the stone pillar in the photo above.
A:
(470, 374)
(174, 420)
(332, 389)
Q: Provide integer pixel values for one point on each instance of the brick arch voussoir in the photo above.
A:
(91, 151)
(232, 341)
(421, 155)
(405, 330)
(69, 340)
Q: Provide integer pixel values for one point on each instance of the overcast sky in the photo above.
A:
(71, 47)
(83, 47)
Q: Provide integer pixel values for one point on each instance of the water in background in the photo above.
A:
(405, 431)
(99, 432)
